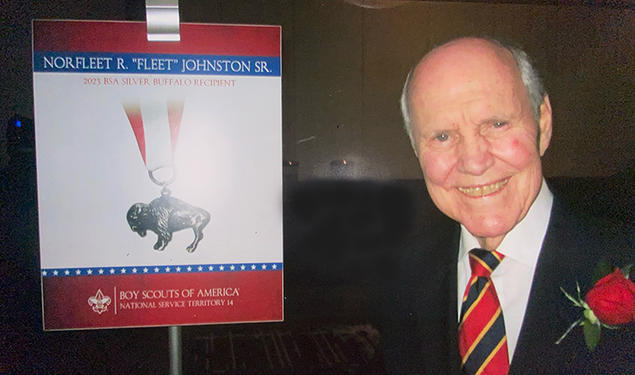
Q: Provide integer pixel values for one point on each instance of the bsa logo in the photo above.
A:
(99, 302)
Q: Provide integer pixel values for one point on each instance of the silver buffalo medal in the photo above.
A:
(166, 215)
(156, 125)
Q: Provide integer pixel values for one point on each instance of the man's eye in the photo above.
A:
(499, 124)
(442, 137)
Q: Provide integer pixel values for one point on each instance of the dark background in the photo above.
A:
(344, 62)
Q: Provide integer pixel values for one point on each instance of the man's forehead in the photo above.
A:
(462, 58)
(464, 61)
(472, 48)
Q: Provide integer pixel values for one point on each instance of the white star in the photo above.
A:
(211, 268)
(55, 272)
(189, 268)
(90, 272)
(167, 269)
(43, 273)
(242, 267)
(178, 269)
(123, 270)
(264, 267)
(275, 266)
(66, 272)
(200, 268)
(145, 269)
(134, 270)
(112, 270)
(222, 268)
(253, 266)
(78, 272)
(232, 267)
(156, 269)
(101, 271)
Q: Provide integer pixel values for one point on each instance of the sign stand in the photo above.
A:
(176, 358)
(162, 17)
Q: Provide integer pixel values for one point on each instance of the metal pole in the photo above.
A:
(176, 357)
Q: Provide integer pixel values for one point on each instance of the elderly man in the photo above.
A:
(483, 295)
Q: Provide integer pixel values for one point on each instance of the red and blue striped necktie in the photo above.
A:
(482, 339)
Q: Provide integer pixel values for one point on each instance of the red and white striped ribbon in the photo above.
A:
(156, 127)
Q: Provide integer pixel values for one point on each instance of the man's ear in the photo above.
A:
(544, 123)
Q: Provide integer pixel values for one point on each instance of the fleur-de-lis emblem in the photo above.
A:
(99, 302)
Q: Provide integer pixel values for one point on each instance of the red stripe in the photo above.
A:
(133, 111)
(478, 319)
(131, 37)
(499, 363)
(66, 299)
(175, 113)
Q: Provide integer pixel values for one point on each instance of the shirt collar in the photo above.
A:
(524, 241)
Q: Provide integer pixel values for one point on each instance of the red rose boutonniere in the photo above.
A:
(610, 303)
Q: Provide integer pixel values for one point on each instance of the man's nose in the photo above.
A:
(474, 156)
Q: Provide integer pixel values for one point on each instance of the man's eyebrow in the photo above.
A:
(491, 119)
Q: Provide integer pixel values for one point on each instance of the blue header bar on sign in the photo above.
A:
(127, 63)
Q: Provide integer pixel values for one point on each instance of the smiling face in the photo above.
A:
(475, 138)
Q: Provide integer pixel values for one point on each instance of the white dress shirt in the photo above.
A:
(513, 276)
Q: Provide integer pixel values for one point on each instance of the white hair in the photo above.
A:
(528, 74)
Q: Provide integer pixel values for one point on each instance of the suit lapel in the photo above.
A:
(434, 309)
(560, 264)
(453, 346)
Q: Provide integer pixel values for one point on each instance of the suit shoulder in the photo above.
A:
(593, 236)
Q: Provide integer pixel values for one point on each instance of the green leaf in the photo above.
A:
(602, 269)
(591, 334)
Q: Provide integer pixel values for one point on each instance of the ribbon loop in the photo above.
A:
(162, 176)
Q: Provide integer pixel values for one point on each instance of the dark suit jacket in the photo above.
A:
(419, 320)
